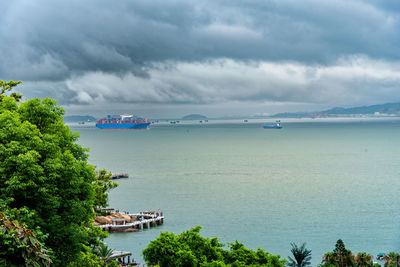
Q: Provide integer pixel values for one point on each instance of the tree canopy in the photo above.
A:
(301, 256)
(191, 249)
(45, 171)
(8, 86)
(342, 257)
(20, 246)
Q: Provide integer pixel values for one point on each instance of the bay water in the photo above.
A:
(312, 181)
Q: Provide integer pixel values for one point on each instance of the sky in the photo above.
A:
(170, 58)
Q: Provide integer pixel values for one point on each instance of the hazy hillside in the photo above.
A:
(78, 118)
(194, 117)
(388, 108)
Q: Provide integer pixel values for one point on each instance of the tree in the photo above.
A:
(104, 252)
(191, 249)
(102, 185)
(340, 247)
(363, 259)
(392, 259)
(340, 257)
(8, 86)
(43, 170)
(302, 256)
(19, 245)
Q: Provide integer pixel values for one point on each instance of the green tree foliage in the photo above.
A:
(19, 245)
(104, 252)
(340, 257)
(89, 258)
(391, 260)
(102, 185)
(363, 259)
(8, 86)
(191, 249)
(302, 256)
(44, 171)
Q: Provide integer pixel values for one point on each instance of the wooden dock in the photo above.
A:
(120, 256)
(143, 220)
(119, 175)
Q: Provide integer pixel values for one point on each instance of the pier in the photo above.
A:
(119, 175)
(139, 221)
(120, 257)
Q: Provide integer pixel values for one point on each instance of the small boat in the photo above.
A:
(380, 256)
(276, 125)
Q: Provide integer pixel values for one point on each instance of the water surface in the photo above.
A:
(311, 182)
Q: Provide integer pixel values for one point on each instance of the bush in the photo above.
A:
(191, 249)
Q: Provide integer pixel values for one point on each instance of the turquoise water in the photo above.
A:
(311, 182)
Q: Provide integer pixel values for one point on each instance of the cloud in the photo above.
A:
(186, 52)
(77, 37)
(356, 79)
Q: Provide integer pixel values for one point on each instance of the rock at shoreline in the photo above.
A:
(103, 220)
(117, 215)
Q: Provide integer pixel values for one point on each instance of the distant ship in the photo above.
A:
(125, 121)
(276, 125)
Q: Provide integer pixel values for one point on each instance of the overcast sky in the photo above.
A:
(169, 58)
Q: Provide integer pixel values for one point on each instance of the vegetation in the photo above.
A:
(7, 87)
(391, 260)
(46, 185)
(363, 259)
(19, 245)
(104, 253)
(342, 257)
(191, 249)
(302, 256)
(102, 185)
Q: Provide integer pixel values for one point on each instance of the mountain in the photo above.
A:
(78, 118)
(293, 115)
(194, 117)
(388, 108)
(382, 109)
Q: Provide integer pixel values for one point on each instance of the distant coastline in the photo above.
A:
(194, 117)
(79, 118)
(374, 111)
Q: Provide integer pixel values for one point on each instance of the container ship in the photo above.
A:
(125, 121)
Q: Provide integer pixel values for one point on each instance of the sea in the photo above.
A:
(314, 181)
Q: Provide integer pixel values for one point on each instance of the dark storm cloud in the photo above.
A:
(227, 80)
(57, 38)
(79, 51)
